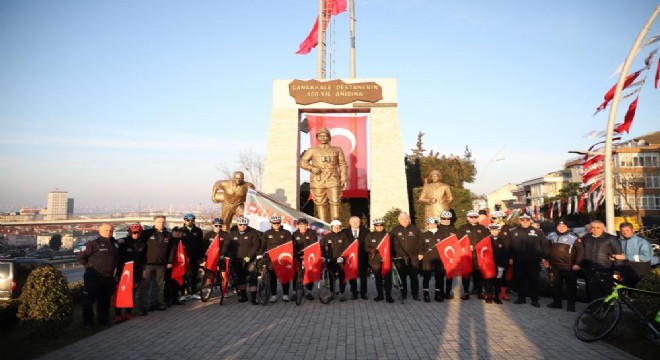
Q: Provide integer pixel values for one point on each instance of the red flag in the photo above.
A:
(630, 115)
(466, 256)
(350, 134)
(657, 74)
(124, 296)
(350, 256)
(581, 204)
(451, 259)
(180, 264)
(334, 7)
(385, 252)
(212, 255)
(282, 259)
(610, 94)
(312, 261)
(592, 161)
(485, 259)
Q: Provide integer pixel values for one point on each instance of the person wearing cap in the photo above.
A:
(333, 245)
(497, 217)
(501, 257)
(193, 239)
(445, 230)
(566, 253)
(528, 247)
(129, 248)
(271, 239)
(329, 172)
(302, 238)
(475, 232)
(358, 232)
(172, 288)
(243, 243)
(407, 242)
(156, 259)
(431, 264)
(372, 240)
(601, 250)
(638, 253)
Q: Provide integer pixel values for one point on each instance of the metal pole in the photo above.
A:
(352, 20)
(609, 188)
(320, 46)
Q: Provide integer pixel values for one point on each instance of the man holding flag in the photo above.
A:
(175, 276)
(446, 230)
(333, 246)
(475, 232)
(380, 261)
(243, 244)
(128, 250)
(493, 259)
(270, 240)
(302, 238)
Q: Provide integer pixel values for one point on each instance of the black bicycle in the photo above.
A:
(396, 278)
(326, 284)
(299, 286)
(263, 281)
(601, 315)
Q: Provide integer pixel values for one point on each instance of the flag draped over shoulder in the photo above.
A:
(350, 256)
(466, 256)
(312, 263)
(212, 255)
(334, 7)
(485, 258)
(180, 264)
(450, 255)
(282, 259)
(385, 251)
(124, 295)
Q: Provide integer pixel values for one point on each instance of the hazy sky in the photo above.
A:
(120, 102)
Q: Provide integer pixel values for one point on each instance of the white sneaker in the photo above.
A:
(285, 298)
(182, 298)
(186, 297)
(196, 297)
(273, 299)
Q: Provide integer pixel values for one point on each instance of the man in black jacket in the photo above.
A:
(193, 240)
(566, 255)
(600, 251)
(358, 232)
(156, 259)
(528, 248)
(407, 243)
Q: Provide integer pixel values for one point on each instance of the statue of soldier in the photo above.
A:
(231, 193)
(436, 195)
(328, 168)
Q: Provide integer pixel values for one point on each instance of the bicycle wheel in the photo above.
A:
(396, 283)
(597, 320)
(263, 287)
(207, 285)
(300, 291)
(325, 287)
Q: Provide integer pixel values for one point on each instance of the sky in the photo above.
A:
(127, 102)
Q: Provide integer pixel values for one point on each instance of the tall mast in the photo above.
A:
(352, 21)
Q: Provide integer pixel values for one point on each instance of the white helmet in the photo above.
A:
(471, 213)
(242, 220)
(446, 215)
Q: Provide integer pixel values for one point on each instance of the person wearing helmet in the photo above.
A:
(271, 239)
(243, 243)
(407, 243)
(302, 238)
(329, 172)
(476, 232)
(129, 248)
(193, 240)
(332, 247)
(216, 231)
(445, 230)
(431, 264)
(373, 240)
(231, 193)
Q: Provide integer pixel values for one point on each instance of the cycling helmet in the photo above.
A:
(432, 220)
(135, 228)
(446, 215)
(378, 221)
(218, 221)
(472, 213)
(303, 221)
(242, 220)
(188, 216)
(335, 222)
(275, 219)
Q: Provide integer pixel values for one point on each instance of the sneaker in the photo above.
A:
(285, 298)
(195, 296)
(465, 296)
(449, 295)
(187, 297)
(182, 298)
(481, 296)
(378, 298)
(427, 298)
(273, 299)
(310, 297)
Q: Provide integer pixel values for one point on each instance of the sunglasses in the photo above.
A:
(525, 220)
(216, 225)
(242, 224)
(379, 225)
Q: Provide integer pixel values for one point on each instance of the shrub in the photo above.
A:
(391, 218)
(46, 304)
(649, 304)
(76, 291)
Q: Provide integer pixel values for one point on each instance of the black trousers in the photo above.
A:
(405, 271)
(273, 284)
(153, 279)
(477, 281)
(561, 276)
(363, 272)
(599, 283)
(97, 289)
(380, 279)
(193, 276)
(493, 286)
(526, 275)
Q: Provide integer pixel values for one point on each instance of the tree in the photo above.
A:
(55, 242)
(251, 164)
(630, 184)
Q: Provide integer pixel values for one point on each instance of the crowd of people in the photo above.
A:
(519, 252)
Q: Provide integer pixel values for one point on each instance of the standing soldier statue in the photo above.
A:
(231, 193)
(328, 168)
(436, 196)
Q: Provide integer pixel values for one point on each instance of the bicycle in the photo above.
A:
(263, 281)
(396, 278)
(326, 284)
(214, 279)
(210, 280)
(299, 286)
(601, 315)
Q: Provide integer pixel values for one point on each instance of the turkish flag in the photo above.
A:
(312, 262)
(485, 257)
(282, 259)
(610, 94)
(350, 256)
(451, 258)
(333, 7)
(212, 255)
(385, 251)
(350, 134)
(657, 74)
(466, 256)
(630, 115)
(124, 295)
(180, 264)
(592, 161)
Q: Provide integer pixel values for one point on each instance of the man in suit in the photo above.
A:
(358, 232)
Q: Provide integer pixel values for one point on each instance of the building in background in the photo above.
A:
(59, 206)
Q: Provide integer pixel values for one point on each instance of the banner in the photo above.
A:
(259, 207)
(124, 295)
(282, 259)
(450, 255)
(180, 264)
(350, 134)
(350, 256)
(385, 251)
(484, 249)
(312, 262)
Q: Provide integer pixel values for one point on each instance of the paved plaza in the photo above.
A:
(355, 329)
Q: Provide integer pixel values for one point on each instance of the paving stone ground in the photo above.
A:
(355, 329)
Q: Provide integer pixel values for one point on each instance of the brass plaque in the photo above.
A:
(335, 92)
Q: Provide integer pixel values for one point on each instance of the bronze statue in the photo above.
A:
(328, 168)
(231, 193)
(435, 195)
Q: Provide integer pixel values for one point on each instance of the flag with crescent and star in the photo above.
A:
(180, 265)
(350, 134)
(350, 256)
(385, 252)
(124, 295)
(212, 255)
(466, 256)
(312, 263)
(450, 255)
(282, 259)
(485, 259)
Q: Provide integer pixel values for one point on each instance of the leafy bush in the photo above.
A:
(76, 290)
(46, 303)
(391, 218)
(648, 304)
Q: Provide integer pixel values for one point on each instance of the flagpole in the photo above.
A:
(352, 20)
(609, 188)
(321, 46)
